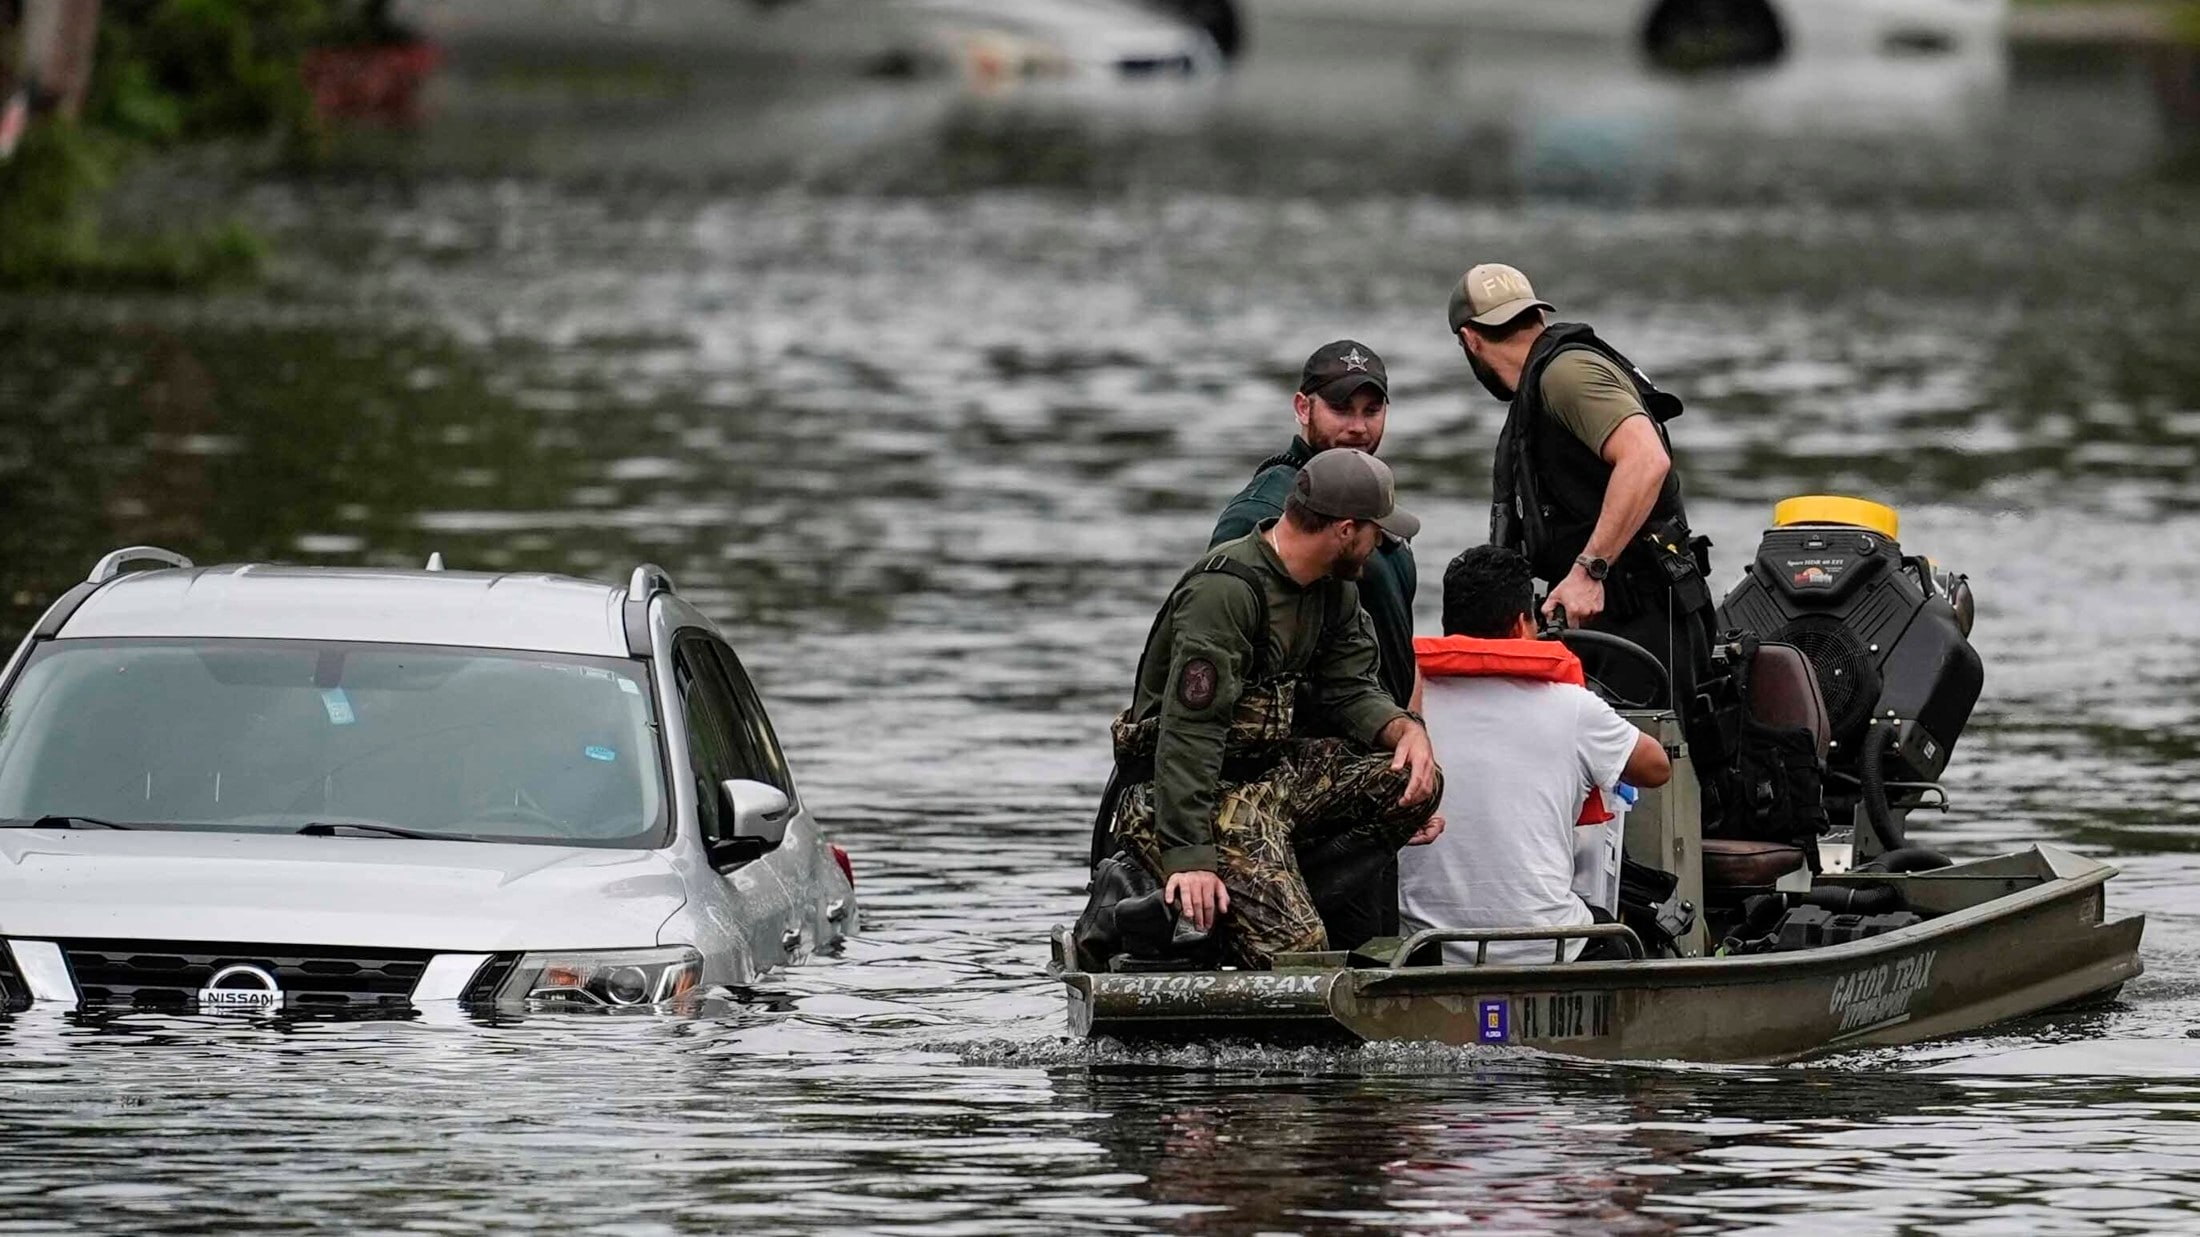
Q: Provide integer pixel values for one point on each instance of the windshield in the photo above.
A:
(277, 735)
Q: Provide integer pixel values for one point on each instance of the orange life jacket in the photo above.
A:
(1541, 661)
(1545, 661)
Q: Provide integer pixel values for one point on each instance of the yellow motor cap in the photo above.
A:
(1834, 509)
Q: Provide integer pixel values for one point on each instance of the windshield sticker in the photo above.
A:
(597, 752)
(629, 686)
(338, 705)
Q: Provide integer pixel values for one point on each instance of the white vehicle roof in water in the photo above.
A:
(538, 613)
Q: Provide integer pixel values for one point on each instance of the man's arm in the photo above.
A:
(1648, 766)
(1344, 679)
(1611, 748)
(1407, 740)
(1343, 673)
(1639, 465)
(1210, 650)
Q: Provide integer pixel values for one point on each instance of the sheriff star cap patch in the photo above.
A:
(1337, 371)
(1493, 294)
(1345, 484)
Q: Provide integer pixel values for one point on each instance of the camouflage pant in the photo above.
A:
(1324, 800)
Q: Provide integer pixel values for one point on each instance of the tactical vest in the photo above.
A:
(1548, 486)
(1267, 709)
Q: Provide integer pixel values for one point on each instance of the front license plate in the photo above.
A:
(1562, 1015)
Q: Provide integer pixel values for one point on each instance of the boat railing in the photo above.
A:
(1482, 937)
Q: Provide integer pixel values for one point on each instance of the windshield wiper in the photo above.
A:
(336, 828)
(65, 822)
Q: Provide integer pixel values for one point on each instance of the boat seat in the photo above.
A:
(1737, 861)
(1784, 692)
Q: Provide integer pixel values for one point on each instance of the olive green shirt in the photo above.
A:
(1194, 671)
(1589, 395)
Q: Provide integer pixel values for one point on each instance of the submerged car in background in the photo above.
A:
(1684, 33)
(986, 42)
(360, 791)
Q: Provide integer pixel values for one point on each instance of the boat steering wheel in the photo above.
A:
(1577, 639)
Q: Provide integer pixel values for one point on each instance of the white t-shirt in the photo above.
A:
(1519, 756)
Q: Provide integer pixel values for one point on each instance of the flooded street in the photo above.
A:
(928, 395)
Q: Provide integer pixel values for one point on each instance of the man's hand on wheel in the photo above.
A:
(1201, 896)
(1582, 597)
(1412, 749)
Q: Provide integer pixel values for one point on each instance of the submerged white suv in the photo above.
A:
(345, 790)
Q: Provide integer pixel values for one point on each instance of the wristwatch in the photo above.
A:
(1598, 568)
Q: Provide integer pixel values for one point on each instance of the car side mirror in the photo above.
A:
(759, 811)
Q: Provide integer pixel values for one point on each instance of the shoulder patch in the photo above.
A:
(1195, 684)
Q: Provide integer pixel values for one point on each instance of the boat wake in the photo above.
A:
(1243, 1056)
(2116, 1058)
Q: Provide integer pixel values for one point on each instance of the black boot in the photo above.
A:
(1125, 917)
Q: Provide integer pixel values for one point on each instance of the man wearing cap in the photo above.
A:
(1584, 482)
(1228, 794)
(1343, 401)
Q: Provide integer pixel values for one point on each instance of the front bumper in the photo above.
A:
(172, 976)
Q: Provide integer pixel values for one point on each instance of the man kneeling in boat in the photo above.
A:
(1524, 744)
(1229, 792)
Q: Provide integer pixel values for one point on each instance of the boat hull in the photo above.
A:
(2009, 936)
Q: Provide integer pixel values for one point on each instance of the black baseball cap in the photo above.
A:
(1337, 371)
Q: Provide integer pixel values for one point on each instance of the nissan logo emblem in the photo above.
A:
(241, 986)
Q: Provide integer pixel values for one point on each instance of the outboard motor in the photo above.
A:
(1886, 634)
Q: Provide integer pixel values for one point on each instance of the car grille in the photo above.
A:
(169, 974)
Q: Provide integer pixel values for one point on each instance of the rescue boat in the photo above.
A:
(1742, 949)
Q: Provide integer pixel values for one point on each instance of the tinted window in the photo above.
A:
(763, 746)
(276, 734)
(717, 744)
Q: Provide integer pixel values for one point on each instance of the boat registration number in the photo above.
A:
(1562, 1015)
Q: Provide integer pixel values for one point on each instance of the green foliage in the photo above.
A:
(43, 192)
(206, 68)
(2185, 24)
(50, 234)
(132, 104)
(165, 72)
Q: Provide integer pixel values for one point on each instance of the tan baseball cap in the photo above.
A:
(1492, 294)
(1347, 484)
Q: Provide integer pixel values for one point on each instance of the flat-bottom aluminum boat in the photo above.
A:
(2000, 938)
(1768, 948)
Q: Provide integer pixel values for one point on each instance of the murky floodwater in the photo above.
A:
(930, 404)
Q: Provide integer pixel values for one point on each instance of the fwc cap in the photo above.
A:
(1337, 371)
(1492, 294)
(1346, 484)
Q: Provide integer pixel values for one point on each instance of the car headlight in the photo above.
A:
(605, 978)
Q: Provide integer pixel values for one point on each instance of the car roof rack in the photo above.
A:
(111, 565)
(647, 582)
(108, 568)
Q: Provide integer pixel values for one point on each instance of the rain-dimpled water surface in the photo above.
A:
(927, 396)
